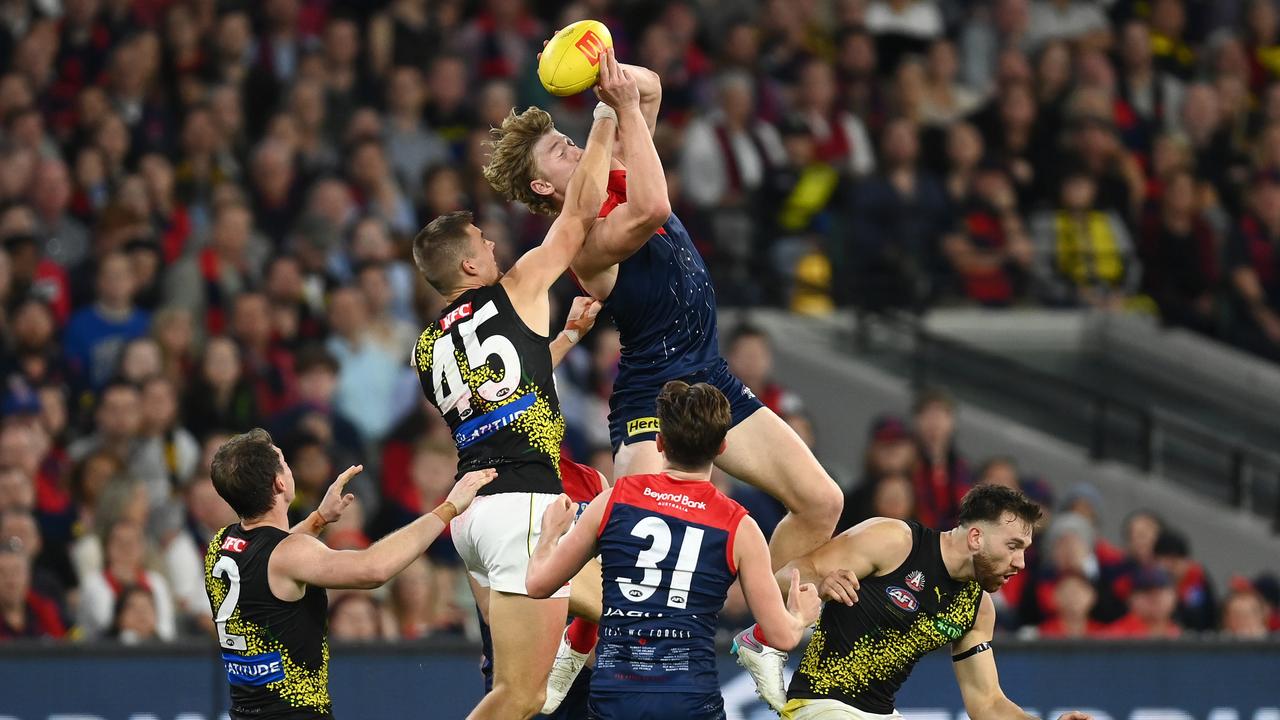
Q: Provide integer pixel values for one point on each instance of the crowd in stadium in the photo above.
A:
(206, 209)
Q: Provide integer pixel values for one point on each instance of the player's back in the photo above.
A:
(275, 652)
(663, 303)
(666, 549)
(490, 376)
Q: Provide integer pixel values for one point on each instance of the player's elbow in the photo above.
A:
(537, 586)
(654, 214)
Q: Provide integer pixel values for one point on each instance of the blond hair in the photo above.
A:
(511, 165)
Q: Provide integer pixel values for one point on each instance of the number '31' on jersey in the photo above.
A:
(666, 550)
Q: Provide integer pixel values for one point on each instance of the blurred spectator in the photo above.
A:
(135, 618)
(1073, 20)
(268, 365)
(993, 255)
(169, 453)
(1084, 255)
(1254, 269)
(124, 563)
(903, 26)
(989, 29)
(316, 413)
(355, 615)
(375, 385)
(1179, 252)
(24, 613)
(749, 353)
(1244, 615)
(900, 217)
(219, 399)
(411, 145)
(891, 452)
(839, 137)
(206, 283)
(1074, 598)
(999, 470)
(1151, 608)
(19, 528)
(942, 477)
(95, 335)
(412, 599)
(1197, 604)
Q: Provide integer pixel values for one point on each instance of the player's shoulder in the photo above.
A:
(887, 533)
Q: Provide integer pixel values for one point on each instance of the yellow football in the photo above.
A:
(570, 63)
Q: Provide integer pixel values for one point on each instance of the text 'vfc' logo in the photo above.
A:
(903, 599)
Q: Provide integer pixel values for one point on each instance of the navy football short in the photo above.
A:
(632, 411)
(655, 706)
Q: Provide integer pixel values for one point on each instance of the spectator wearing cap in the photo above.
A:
(942, 477)
(1179, 252)
(891, 452)
(1084, 254)
(1074, 598)
(1197, 603)
(1244, 615)
(1253, 269)
(1151, 608)
(24, 612)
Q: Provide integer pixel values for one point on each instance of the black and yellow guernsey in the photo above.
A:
(275, 652)
(861, 655)
(490, 376)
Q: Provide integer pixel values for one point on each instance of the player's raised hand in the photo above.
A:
(464, 491)
(803, 601)
(582, 315)
(558, 516)
(336, 499)
(841, 586)
(616, 86)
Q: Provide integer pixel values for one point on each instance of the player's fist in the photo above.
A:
(336, 499)
(582, 315)
(840, 586)
(803, 600)
(558, 516)
(617, 86)
(464, 491)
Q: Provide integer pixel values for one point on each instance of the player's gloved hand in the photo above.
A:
(582, 317)
(335, 501)
(464, 491)
(558, 516)
(840, 586)
(803, 601)
(616, 86)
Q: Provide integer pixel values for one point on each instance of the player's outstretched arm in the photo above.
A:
(783, 625)
(555, 559)
(625, 230)
(975, 668)
(533, 274)
(650, 86)
(837, 565)
(304, 560)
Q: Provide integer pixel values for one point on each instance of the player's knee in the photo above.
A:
(519, 700)
(821, 502)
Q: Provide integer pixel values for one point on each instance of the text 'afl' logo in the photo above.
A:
(903, 599)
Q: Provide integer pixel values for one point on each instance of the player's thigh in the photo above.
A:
(481, 595)
(586, 592)
(638, 458)
(526, 634)
(764, 451)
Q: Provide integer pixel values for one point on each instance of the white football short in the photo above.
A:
(496, 535)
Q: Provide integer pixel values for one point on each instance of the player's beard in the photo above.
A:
(987, 571)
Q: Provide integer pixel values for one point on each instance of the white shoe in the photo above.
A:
(765, 665)
(564, 671)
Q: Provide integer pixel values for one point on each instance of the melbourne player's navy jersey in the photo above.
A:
(663, 304)
(666, 550)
